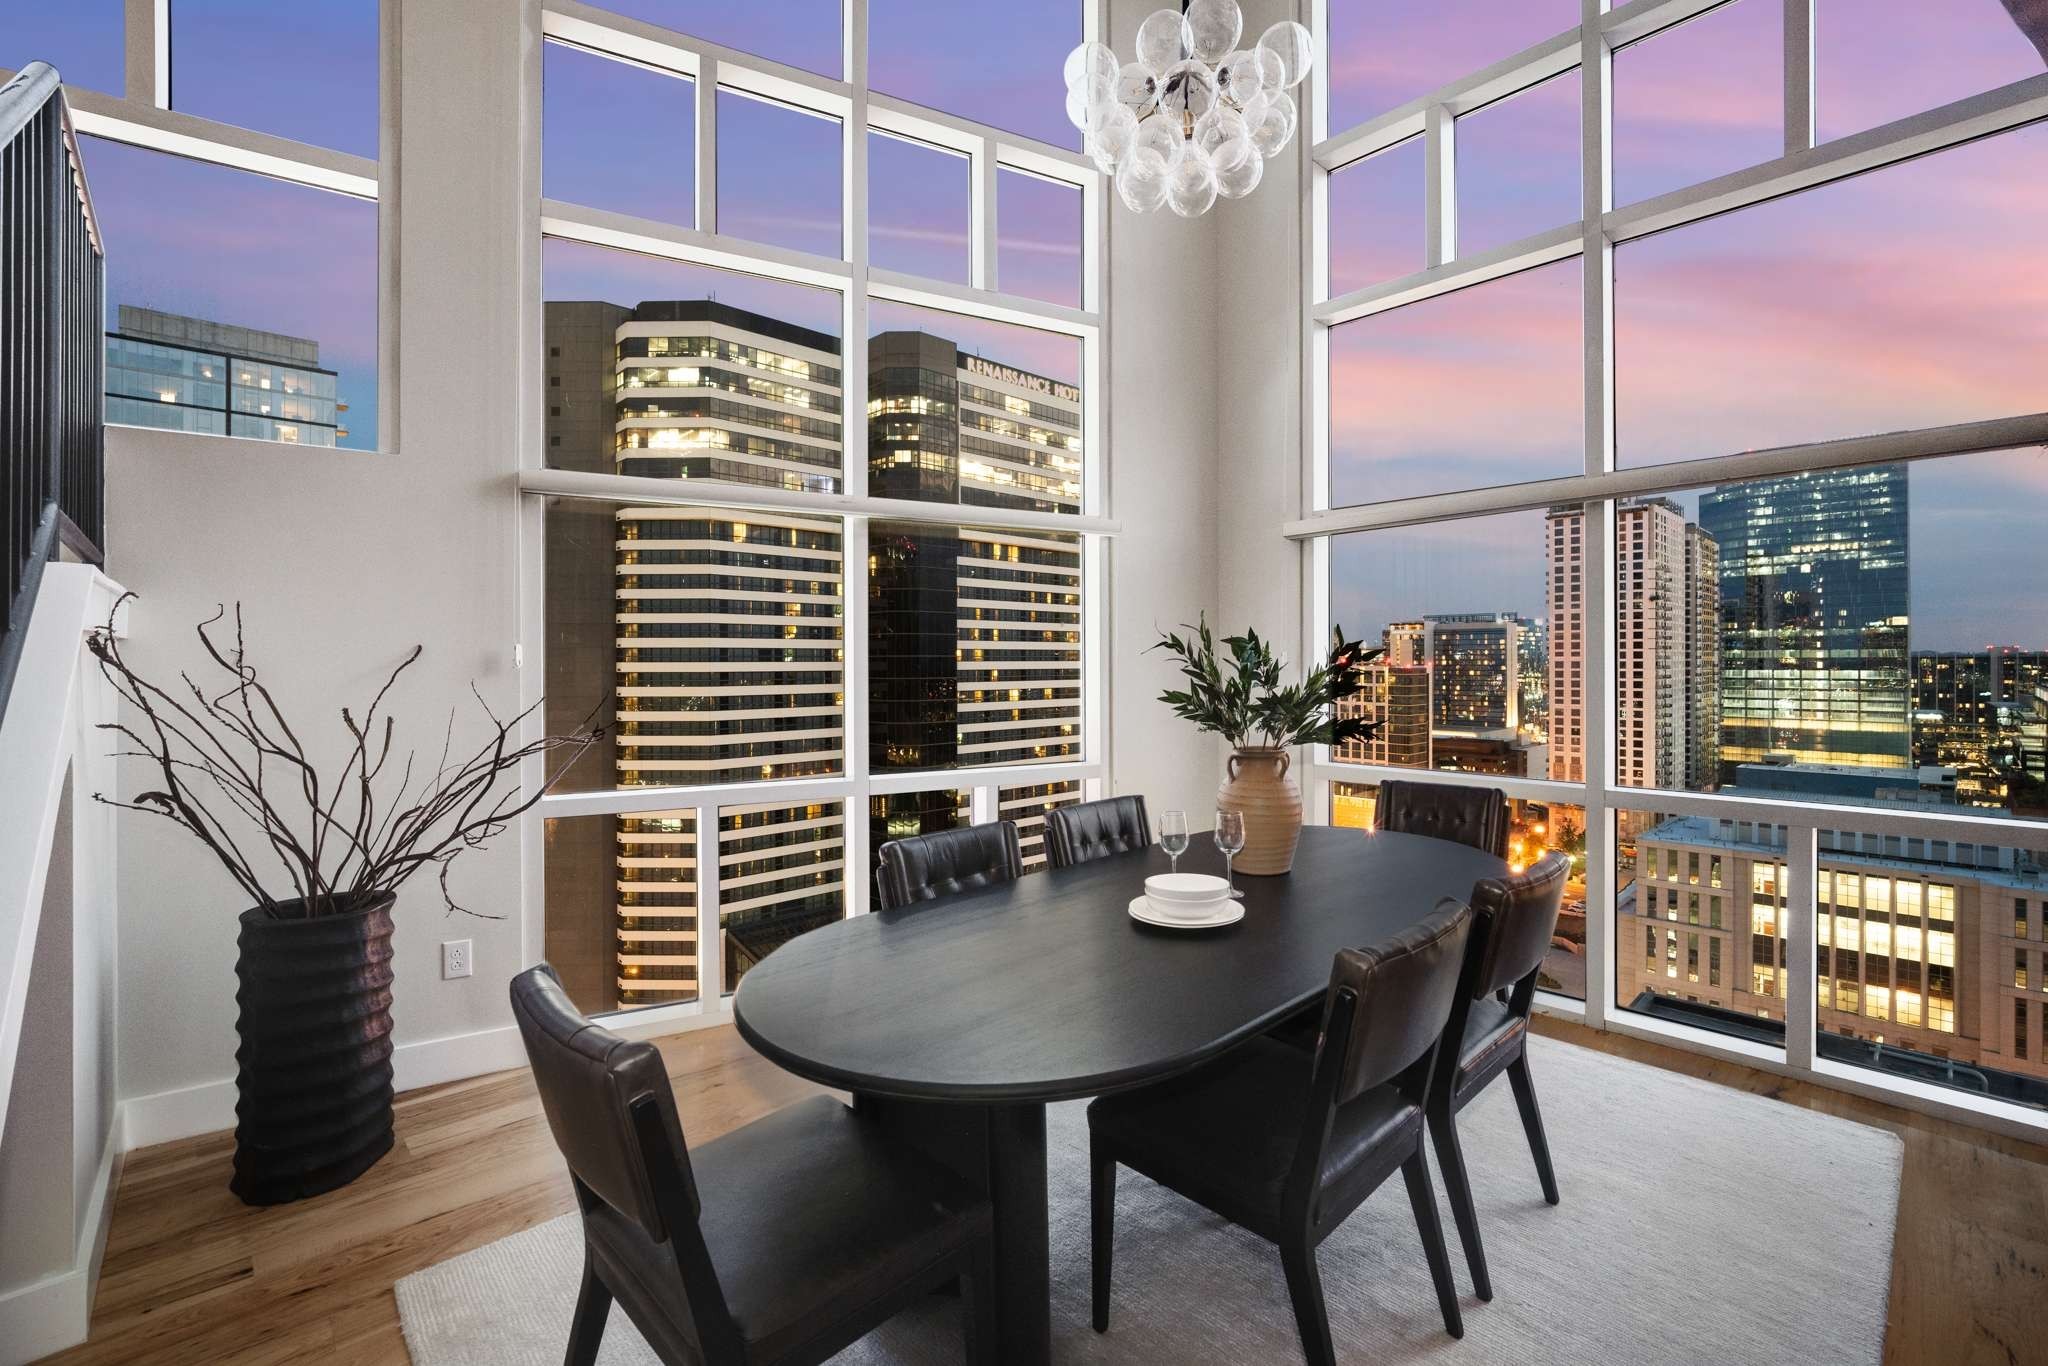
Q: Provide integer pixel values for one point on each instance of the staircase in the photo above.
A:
(58, 1121)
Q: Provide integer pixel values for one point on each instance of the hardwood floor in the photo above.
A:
(191, 1275)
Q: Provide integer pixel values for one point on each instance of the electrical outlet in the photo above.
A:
(454, 958)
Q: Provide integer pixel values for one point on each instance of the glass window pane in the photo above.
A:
(1699, 100)
(779, 175)
(586, 99)
(1482, 654)
(305, 72)
(996, 64)
(675, 371)
(801, 33)
(1776, 637)
(713, 639)
(1518, 166)
(902, 815)
(82, 39)
(1389, 52)
(1038, 238)
(978, 413)
(210, 273)
(1465, 390)
(1028, 807)
(621, 908)
(781, 871)
(1688, 952)
(974, 646)
(1534, 829)
(1376, 222)
(920, 208)
(1879, 60)
(1903, 298)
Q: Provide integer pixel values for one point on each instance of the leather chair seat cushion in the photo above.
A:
(1490, 1027)
(1231, 1128)
(808, 1215)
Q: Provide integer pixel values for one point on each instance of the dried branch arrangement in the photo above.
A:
(233, 771)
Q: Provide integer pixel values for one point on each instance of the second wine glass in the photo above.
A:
(1230, 839)
(1173, 836)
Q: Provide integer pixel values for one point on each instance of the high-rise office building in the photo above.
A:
(721, 632)
(1477, 659)
(1666, 644)
(1564, 590)
(718, 633)
(1398, 697)
(192, 375)
(1813, 617)
(1975, 712)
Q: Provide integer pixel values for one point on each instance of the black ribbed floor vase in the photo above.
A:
(314, 1110)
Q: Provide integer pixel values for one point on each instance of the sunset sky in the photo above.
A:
(1908, 297)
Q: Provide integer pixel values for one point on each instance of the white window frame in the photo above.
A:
(140, 115)
(859, 110)
(1804, 164)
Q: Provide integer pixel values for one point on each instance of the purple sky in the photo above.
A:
(1699, 100)
(303, 71)
(1518, 165)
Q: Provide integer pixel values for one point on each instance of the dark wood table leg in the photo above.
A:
(1016, 1150)
(1001, 1149)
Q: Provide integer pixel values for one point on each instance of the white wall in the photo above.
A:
(1163, 388)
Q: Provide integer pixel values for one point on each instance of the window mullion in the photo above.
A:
(707, 144)
(1800, 105)
(853, 712)
(1802, 876)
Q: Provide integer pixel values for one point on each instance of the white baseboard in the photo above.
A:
(209, 1107)
(53, 1313)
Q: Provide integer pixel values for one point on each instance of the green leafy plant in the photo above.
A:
(1238, 694)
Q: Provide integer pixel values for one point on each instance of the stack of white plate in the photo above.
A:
(1186, 901)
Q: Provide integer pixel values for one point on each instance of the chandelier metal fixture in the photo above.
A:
(1195, 116)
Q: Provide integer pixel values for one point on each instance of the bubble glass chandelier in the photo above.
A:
(1195, 116)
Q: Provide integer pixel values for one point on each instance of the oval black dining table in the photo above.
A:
(954, 1022)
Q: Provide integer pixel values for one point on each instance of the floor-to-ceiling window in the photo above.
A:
(1679, 395)
(819, 466)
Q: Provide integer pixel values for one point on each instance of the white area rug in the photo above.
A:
(1699, 1224)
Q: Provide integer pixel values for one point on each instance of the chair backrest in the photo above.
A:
(1404, 987)
(1475, 816)
(947, 862)
(1515, 917)
(1087, 831)
(590, 1082)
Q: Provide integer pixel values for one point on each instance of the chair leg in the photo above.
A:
(978, 1305)
(1101, 1229)
(586, 1330)
(1450, 1160)
(1305, 1288)
(1532, 1123)
(1416, 1169)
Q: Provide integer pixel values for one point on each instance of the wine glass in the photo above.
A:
(1230, 839)
(1173, 836)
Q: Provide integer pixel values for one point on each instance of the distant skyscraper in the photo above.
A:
(192, 375)
(1974, 711)
(1666, 653)
(1396, 696)
(1477, 660)
(1813, 617)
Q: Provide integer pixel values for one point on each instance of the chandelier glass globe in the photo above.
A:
(1194, 116)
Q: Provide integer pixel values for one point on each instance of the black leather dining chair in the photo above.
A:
(1286, 1142)
(1087, 831)
(945, 862)
(783, 1241)
(1488, 1032)
(1475, 816)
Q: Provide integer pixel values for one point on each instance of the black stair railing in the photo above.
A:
(52, 353)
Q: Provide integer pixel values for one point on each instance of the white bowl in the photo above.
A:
(1186, 889)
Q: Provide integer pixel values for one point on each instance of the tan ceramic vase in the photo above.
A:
(1260, 786)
